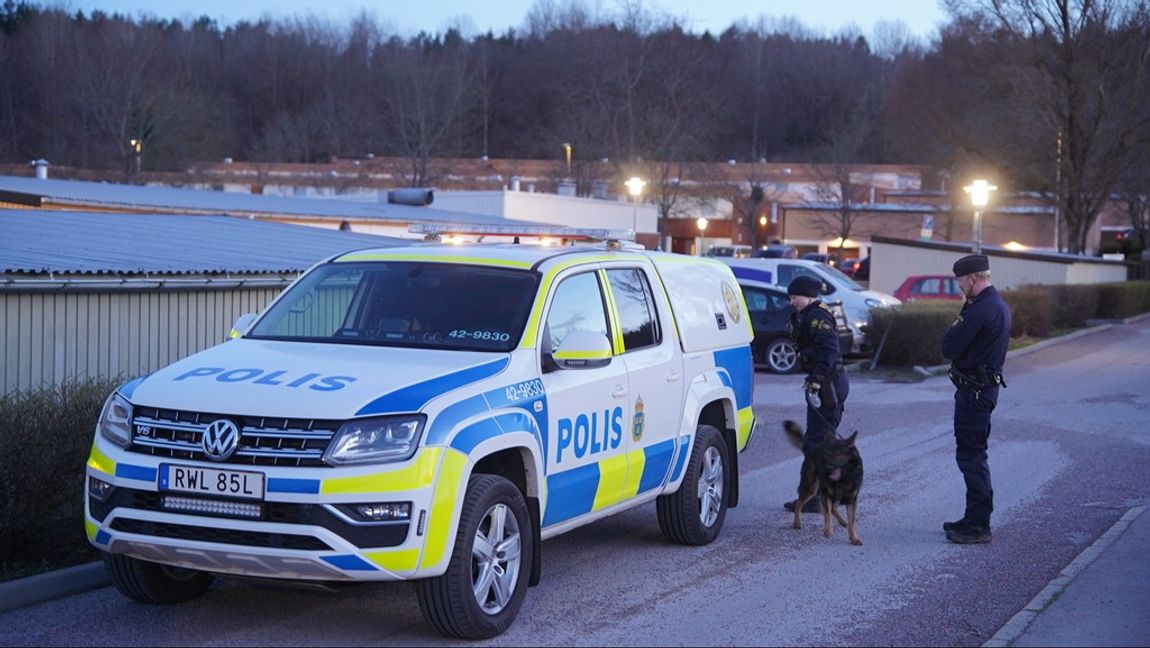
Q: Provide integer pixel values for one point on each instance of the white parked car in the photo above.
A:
(837, 287)
(431, 413)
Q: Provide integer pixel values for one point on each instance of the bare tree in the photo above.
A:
(1080, 66)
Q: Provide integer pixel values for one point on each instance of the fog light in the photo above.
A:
(99, 489)
(377, 511)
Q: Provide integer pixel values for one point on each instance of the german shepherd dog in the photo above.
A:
(832, 469)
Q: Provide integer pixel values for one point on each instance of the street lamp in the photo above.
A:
(635, 188)
(702, 225)
(979, 191)
(567, 151)
(137, 147)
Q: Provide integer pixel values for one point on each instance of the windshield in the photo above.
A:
(842, 279)
(408, 304)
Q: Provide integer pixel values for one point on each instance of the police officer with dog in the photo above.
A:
(814, 331)
(976, 344)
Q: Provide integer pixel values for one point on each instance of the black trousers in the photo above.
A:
(972, 409)
(823, 423)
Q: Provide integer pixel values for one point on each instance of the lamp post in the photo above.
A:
(137, 147)
(567, 152)
(635, 188)
(979, 191)
(702, 225)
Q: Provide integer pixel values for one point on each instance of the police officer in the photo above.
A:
(815, 333)
(976, 345)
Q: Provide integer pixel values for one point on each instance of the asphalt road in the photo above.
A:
(1068, 453)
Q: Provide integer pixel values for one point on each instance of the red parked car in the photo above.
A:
(929, 287)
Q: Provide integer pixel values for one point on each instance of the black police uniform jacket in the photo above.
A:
(814, 331)
(977, 341)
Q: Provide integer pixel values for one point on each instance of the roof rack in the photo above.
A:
(614, 237)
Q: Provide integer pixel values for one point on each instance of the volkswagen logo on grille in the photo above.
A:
(221, 439)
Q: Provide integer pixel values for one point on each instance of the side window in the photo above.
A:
(578, 304)
(788, 271)
(926, 287)
(757, 301)
(952, 287)
(636, 307)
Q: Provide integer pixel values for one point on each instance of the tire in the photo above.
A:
(694, 514)
(781, 356)
(478, 597)
(149, 582)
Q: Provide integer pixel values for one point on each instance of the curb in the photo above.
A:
(1018, 624)
(31, 590)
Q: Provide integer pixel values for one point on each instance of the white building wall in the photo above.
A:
(48, 338)
(565, 211)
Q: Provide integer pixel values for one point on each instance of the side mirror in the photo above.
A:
(583, 350)
(243, 323)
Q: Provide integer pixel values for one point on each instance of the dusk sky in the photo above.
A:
(407, 17)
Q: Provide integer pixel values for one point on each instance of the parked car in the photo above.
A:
(777, 251)
(821, 257)
(862, 271)
(849, 266)
(770, 310)
(736, 251)
(856, 300)
(929, 287)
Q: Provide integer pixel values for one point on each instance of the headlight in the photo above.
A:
(375, 440)
(116, 420)
(873, 303)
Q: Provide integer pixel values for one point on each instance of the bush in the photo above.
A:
(913, 332)
(1073, 304)
(1122, 300)
(1031, 311)
(45, 436)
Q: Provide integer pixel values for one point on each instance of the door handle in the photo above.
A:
(673, 376)
(619, 392)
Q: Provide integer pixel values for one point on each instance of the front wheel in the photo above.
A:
(480, 594)
(149, 582)
(694, 514)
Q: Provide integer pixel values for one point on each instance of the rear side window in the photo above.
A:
(636, 307)
(761, 301)
(926, 287)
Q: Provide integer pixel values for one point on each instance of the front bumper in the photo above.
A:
(300, 529)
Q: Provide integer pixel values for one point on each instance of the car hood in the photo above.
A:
(308, 380)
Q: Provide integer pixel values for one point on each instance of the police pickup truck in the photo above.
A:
(431, 413)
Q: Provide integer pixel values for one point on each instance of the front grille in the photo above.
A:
(221, 536)
(360, 535)
(264, 441)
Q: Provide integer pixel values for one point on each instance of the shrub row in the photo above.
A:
(45, 436)
(913, 332)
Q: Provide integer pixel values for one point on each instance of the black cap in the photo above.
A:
(805, 286)
(970, 264)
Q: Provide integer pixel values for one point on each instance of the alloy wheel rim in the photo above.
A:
(710, 486)
(496, 552)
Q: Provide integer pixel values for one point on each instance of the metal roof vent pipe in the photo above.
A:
(41, 168)
(515, 183)
(416, 196)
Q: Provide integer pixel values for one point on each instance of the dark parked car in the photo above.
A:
(770, 310)
(849, 266)
(821, 257)
(862, 272)
(777, 251)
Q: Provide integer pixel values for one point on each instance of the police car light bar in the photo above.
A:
(432, 231)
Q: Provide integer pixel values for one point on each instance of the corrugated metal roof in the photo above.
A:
(97, 243)
(93, 194)
(918, 208)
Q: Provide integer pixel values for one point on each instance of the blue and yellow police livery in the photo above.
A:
(432, 413)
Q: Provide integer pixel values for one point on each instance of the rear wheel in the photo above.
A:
(781, 356)
(150, 582)
(480, 594)
(694, 514)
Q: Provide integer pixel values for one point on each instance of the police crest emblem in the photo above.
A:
(637, 420)
(731, 301)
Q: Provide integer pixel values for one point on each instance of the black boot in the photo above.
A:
(956, 525)
(969, 534)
